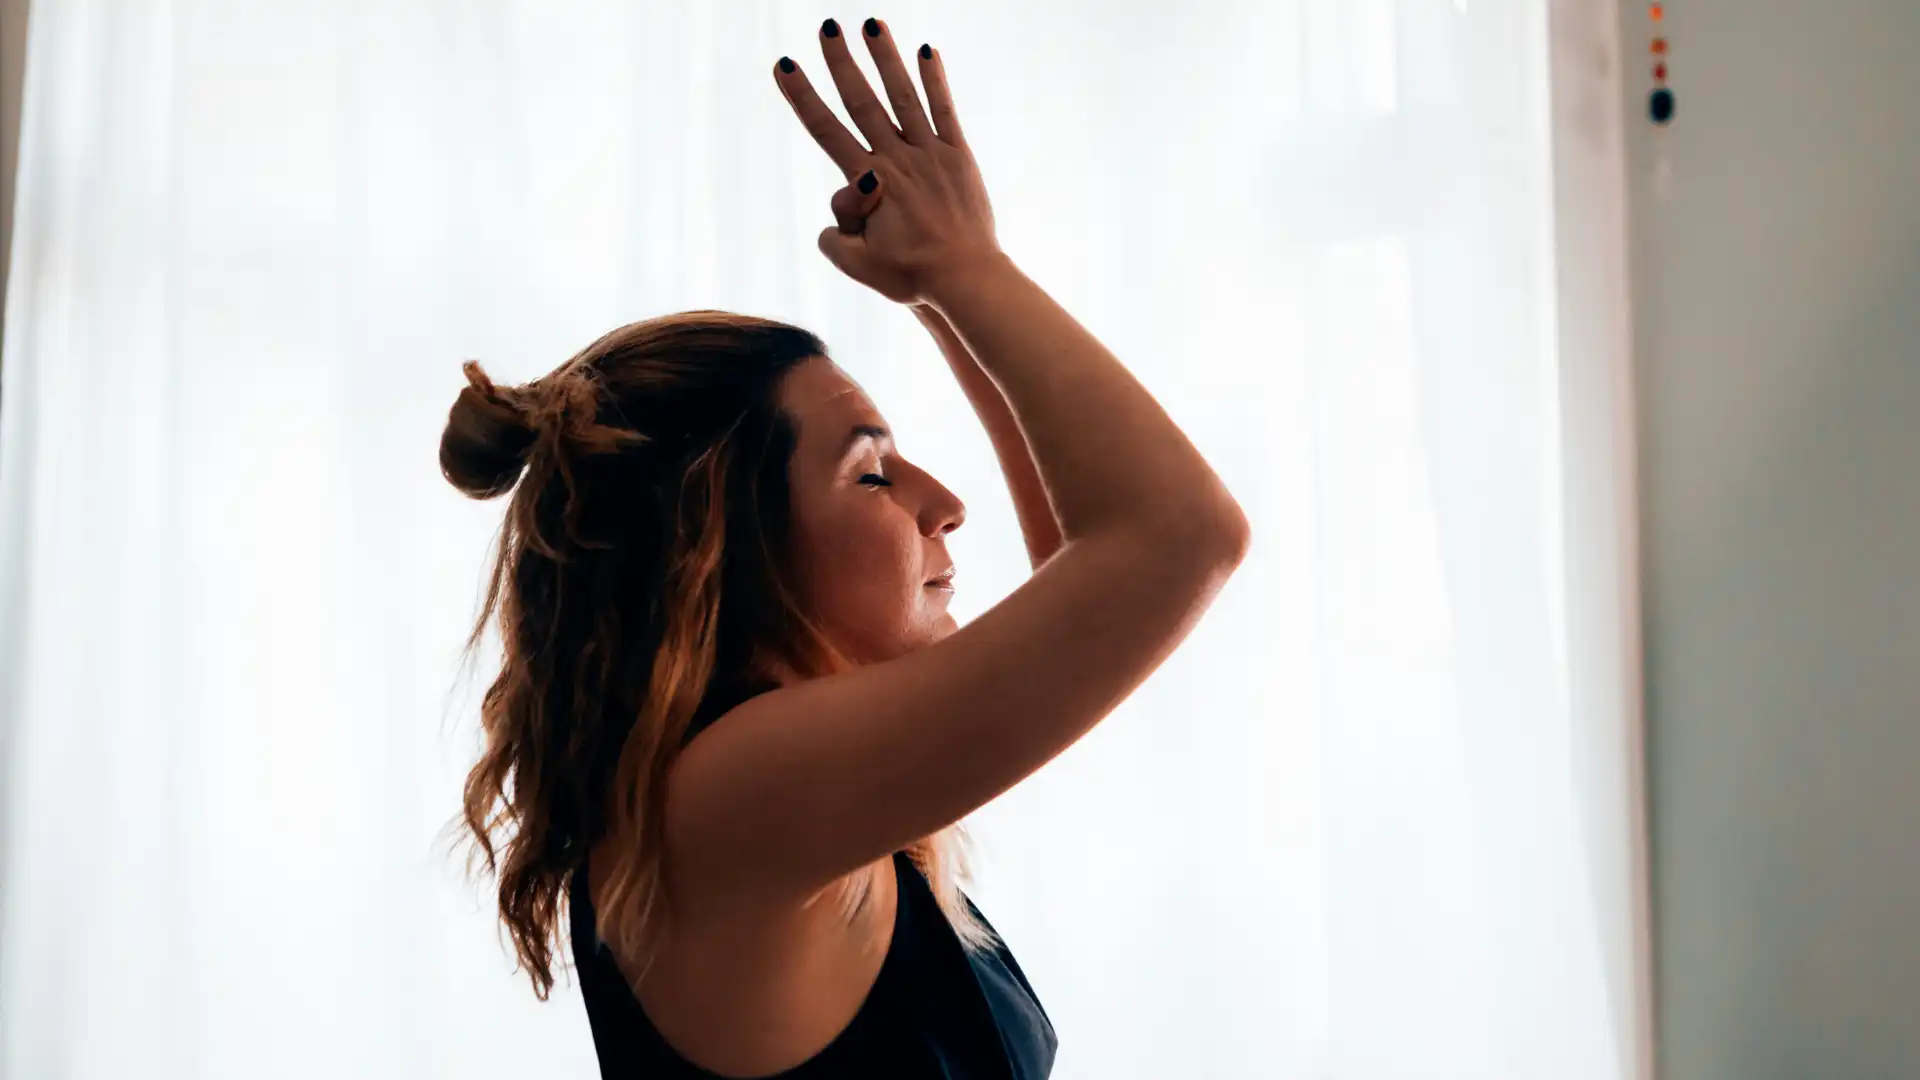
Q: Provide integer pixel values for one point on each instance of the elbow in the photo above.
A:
(1232, 534)
(1217, 532)
(1214, 531)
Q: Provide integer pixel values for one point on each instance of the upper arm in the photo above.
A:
(804, 784)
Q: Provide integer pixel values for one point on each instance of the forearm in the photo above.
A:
(1030, 504)
(1101, 447)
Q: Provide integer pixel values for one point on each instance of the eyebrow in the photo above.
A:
(859, 432)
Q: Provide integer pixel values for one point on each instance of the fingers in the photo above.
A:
(845, 251)
(862, 106)
(826, 128)
(933, 76)
(851, 206)
(900, 90)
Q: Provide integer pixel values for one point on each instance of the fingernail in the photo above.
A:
(830, 28)
(786, 64)
(868, 183)
(873, 27)
(926, 52)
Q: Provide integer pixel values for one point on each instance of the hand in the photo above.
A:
(935, 215)
(851, 207)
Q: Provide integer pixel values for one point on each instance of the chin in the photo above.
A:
(937, 630)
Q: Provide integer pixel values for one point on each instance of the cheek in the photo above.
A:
(864, 568)
(877, 551)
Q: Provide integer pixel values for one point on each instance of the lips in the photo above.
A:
(942, 580)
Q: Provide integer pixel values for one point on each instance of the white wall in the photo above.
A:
(1777, 295)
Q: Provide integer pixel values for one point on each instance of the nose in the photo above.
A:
(943, 511)
(947, 514)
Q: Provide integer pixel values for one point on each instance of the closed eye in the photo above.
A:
(876, 480)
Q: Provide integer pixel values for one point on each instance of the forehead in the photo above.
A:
(824, 402)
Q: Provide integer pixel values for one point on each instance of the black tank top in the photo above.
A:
(936, 1010)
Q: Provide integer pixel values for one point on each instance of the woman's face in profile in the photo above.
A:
(869, 527)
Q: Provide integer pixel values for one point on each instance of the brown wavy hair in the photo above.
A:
(640, 573)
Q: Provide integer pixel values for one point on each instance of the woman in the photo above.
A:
(736, 726)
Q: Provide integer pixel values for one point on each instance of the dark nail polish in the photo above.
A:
(868, 183)
(873, 27)
(830, 28)
(786, 64)
(926, 52)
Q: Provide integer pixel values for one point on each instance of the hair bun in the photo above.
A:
(485, 445)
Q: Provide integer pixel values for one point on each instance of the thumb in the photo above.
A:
(851, 205)
(848, 251)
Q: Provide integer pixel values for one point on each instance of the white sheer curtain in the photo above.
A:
(1357, 827)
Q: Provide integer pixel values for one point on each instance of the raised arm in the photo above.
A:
(1038, 527)
(1031, 506)
(805, 784)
